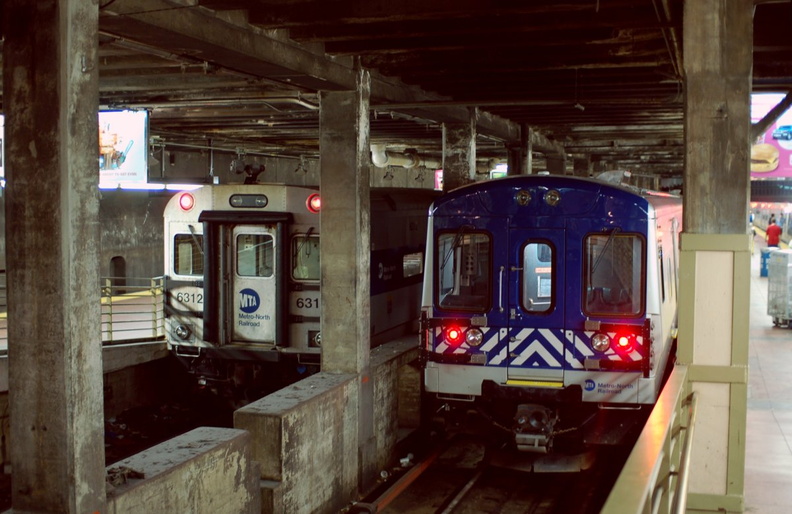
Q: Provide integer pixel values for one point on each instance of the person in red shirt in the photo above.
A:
(773, 234)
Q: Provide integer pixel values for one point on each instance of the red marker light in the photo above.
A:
(314, 203)
(186, 201)
(624, 341)
(454, 335)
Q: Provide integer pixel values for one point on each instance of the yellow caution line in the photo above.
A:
(534, 383)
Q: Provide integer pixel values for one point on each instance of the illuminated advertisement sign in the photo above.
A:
(771, 153)
(123, 145)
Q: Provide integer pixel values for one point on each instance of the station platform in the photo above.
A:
(768, 460)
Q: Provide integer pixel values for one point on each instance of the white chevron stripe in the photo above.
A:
(582, 347)
(492, 342)
(536, 347)
(551, 337)
(499, 358)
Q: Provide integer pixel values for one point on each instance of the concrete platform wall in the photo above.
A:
(305, 435)
(207, 470)
(397, 398)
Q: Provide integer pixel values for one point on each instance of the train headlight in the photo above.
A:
(183, 332)
(474, 337)
(601, 342)
(454, 335)
(552, 197)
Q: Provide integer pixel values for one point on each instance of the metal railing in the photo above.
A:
(654, 478)
(132, 310)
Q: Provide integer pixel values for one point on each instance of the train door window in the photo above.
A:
(188, 254)
(255, 255)
(537, 277)
(305, 257)
(463, 271)
(613, 274)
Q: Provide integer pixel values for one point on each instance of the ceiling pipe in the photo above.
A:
(382, 158)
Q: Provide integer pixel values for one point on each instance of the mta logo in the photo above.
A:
(249, 301)
(590, 385)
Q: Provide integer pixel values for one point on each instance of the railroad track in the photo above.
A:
(458, 477)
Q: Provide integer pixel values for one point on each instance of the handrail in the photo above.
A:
(654, 478)
(132, 310)
(680, 501)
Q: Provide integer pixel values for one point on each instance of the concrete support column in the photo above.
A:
(521, 156)
(50, 101)
(715, 254)
(516, 162)
(459, 153)
(556, 165)
(345, 158)
(526, 134)
(582, 167)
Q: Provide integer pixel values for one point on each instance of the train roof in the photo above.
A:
(574, 196)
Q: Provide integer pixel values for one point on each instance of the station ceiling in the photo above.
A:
(595, 79)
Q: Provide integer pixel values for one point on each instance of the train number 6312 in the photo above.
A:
(189, 297)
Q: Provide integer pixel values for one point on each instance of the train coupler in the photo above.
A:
(534, 425)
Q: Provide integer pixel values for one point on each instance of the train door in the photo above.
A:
(243, 285)
(252, 285)
(536, 307)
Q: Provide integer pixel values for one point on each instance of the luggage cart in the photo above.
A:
(779, 287)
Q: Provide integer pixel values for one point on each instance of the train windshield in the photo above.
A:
(613, 274)
(463, 271)
(305, 257)
(188, 254)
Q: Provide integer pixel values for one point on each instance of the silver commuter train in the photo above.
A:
(242, 280)
(547, 302)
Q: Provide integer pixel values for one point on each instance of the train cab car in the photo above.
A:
(242, 281)
(546, 300)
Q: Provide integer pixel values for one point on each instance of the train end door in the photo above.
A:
(536, 308)
(244, 298)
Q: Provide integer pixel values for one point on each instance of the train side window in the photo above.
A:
(613, 275)
(255, 255)
(463, 271)
(305, 257)
(412, 264)
(537, 277)
(188, 254)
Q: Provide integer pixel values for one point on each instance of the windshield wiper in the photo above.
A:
(455, 243)
(305, 240)
(195, 239)
(604, 248)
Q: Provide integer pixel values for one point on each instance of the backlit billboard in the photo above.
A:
(771, 153)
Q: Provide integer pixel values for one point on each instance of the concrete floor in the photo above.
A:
(768, 461)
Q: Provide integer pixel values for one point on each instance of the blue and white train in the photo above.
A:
(242, 269)
(548, 301)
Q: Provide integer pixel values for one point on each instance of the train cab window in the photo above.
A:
(537, 277)
(255, 255)
(188, 254)
(613, 275)
(463, 271)
(305, 257)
